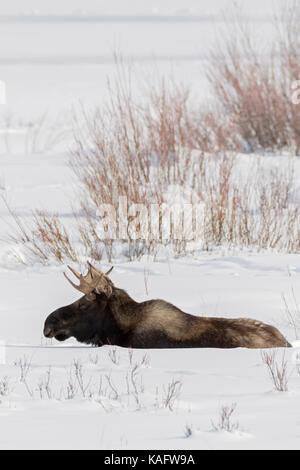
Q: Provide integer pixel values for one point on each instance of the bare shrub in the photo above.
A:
(145, 361)
(255, 91)
(80, 378)
(52, 237)
(124, 149)
(216, 132)
(238, 213)
(43, 134)
(5, 387)
(171, 394)
(119, 389)
(114, 393)
(146, 280)
(188, 430)
(46, 238)
(71, 390)
(171, 130)
(44, 385)
(25, 365)
(2, 184)
(144, 150)
(292, 320)
(114, 355)
(298, 362)
(291, 310)
(94, 359)
(278, 370)
(130, 355)
(225, 422)
(133, 150)
(137, 384)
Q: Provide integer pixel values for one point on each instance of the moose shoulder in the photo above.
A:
(108, 315)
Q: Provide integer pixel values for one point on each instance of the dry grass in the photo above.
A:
(45, 238)
(254, 92)
(292, 311)
(135, 151)
(171, 394)
(144, 151)
(44, 386)
(114, 386)
(25, 365)
(188, 431)
(225, 422)
(40, 135)
(237, 213)
(5, 388)
(278, 370)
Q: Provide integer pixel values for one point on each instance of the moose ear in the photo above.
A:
(104, 287)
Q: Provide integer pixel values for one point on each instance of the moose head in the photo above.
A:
(86, 317)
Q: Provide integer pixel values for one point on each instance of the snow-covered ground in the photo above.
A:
(43, 404)
(51, 64)
(241, 285)
(215, 284)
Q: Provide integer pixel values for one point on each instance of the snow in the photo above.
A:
(69, 63)
(231, 286)
(117, 7)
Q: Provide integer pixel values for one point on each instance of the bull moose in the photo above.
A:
(108, 315)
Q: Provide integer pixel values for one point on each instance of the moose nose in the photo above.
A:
(48, 332)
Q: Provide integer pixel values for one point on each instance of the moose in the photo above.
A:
(107, 315)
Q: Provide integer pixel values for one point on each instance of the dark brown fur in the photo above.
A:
(119, 320)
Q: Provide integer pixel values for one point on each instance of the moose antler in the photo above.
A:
(109, 271)
(94, 280)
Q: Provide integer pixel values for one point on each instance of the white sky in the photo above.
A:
(257, 7)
